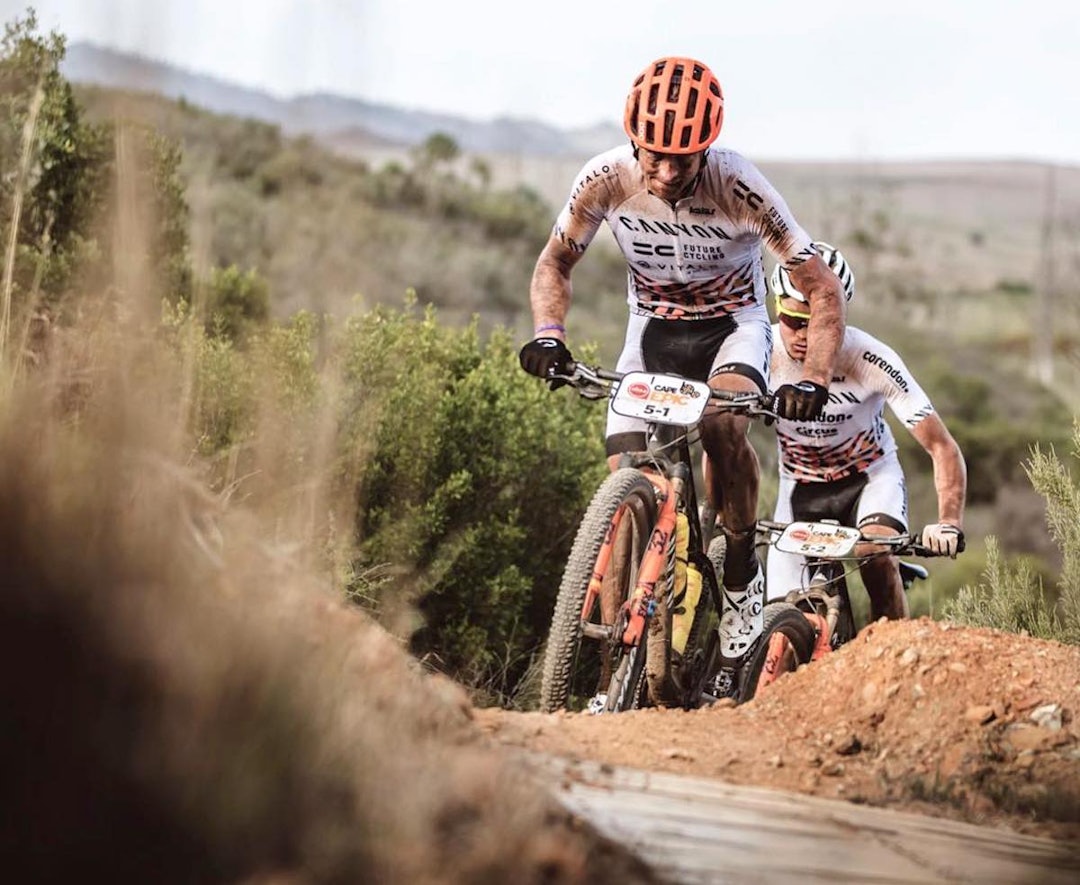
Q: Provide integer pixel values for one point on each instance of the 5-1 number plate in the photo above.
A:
(664, 399)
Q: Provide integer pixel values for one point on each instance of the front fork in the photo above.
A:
(654, 565)
(642, 600)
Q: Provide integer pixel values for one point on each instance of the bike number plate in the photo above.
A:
(663, 399)
(821, 539)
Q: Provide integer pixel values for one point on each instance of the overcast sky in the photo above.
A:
(826, 79)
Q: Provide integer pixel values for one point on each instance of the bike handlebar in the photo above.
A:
(594, 382)
(900, 545)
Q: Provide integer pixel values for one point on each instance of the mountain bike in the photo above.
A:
(816, 618)
(631, 624)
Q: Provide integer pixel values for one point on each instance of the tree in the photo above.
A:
(52, 171)
(62, 177)
(438, 150)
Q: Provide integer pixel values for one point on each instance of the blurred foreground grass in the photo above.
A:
(186, 696)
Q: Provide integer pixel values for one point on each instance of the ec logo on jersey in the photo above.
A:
(662, 250)
(751, 198)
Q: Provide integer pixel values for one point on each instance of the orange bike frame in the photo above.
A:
(650, 569)
(824, 636)
(778, 644)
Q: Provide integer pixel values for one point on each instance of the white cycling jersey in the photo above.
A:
(852, 432)
(701, 258)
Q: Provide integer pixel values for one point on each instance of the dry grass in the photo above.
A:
(187, 697)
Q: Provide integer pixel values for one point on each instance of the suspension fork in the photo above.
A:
(823, 574)
(654, 564)
(654, 560)
(603, 560)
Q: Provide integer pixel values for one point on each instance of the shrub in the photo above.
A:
(237, 302)
(476, 479)
(75, 180)
(995, 428)
(1012, 595)
(57, 166)
(222, 382)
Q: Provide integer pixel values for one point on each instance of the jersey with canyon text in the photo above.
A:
(851, 433)
(697, 259)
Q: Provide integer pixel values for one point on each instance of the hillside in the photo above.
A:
(948, 259)
(348, 121)
(329, 232)
(1002, 238)
(928, 228)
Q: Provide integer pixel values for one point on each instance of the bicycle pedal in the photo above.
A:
(724, 684)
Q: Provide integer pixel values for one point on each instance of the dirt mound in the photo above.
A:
(971, 724)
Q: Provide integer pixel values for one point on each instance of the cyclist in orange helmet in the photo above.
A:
(691, 220)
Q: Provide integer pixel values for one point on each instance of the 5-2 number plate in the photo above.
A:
(822, 539)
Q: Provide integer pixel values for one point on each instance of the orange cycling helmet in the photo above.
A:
(674, 107)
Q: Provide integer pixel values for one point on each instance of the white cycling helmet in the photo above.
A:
(781, 285)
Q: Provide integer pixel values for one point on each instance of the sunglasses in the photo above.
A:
(793, 319)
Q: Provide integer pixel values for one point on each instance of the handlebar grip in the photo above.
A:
(919, 550)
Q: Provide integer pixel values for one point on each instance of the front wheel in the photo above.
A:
(786, 643)
(628, 689)
(578, 660)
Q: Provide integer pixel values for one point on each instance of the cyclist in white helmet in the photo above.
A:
(843, 464)
(691, 220)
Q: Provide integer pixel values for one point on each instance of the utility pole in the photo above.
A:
(1042, 337)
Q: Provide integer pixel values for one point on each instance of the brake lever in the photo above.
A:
(592, 392)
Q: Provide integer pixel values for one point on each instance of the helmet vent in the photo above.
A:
(675, 106)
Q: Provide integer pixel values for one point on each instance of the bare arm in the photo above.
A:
(550, 291)
(828, 311)
(950, 472)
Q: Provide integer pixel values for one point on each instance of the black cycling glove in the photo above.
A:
(544, 357)
(800, 402)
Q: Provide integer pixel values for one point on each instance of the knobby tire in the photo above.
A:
(576, 667)
(786, 621)
(627, 689)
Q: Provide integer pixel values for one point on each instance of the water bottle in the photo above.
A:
(687, 587)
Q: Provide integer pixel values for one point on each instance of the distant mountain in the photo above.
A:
(333, 118)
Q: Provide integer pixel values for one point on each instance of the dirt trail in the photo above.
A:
(969, 724)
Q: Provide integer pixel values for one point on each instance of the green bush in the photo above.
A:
(393, 186)
(1012, 595)
(994, 431)
(295, 166)
(288, 351)
(222, 382)
(60, 178)
(244, 145)
(236, 390)
(75, 180)
(476, 478)
(237, 302)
